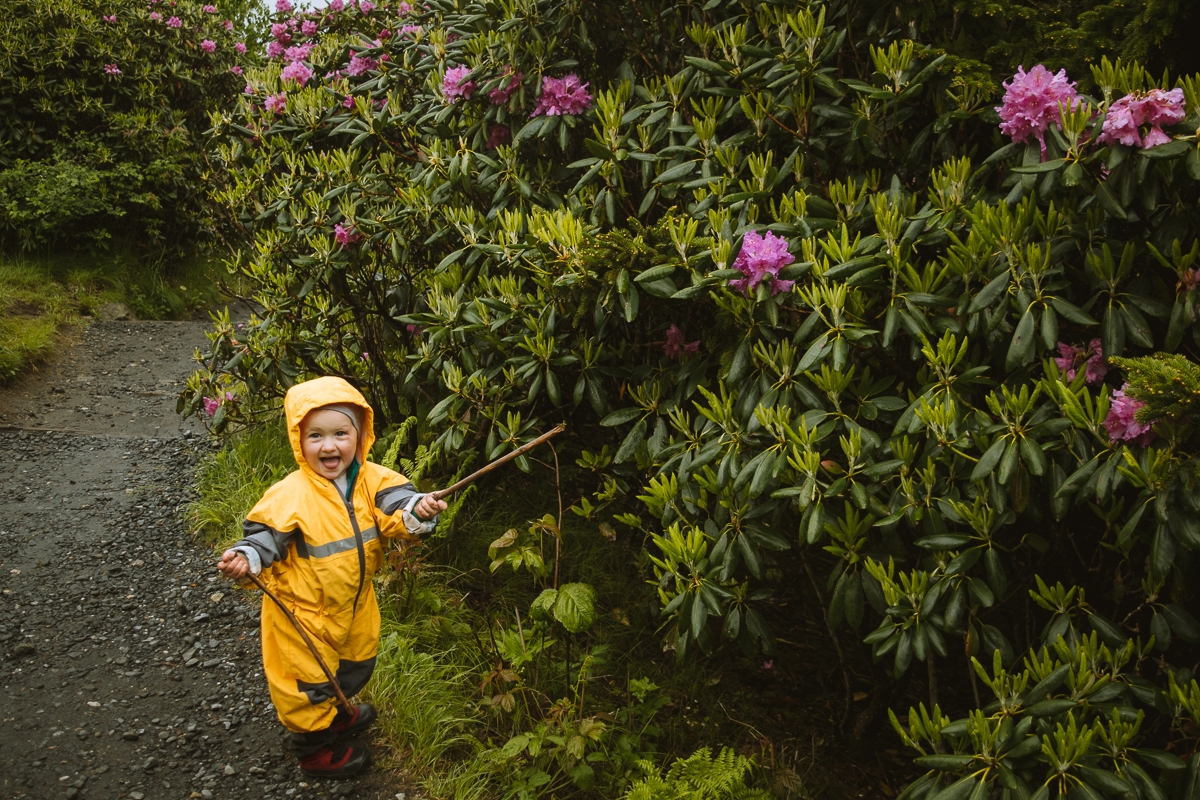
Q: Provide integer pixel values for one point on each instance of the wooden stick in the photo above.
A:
(440, 493)
(336, 687)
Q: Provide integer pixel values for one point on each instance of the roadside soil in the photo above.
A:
(128, 669)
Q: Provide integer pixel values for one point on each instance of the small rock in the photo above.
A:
(130, 736)
(150, 764)
(229, 770)
(114, 312)
(212, 662)
(137, 796)
(24, 650)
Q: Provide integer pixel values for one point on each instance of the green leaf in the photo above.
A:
(1182, 623)
(1022, 342)
(988, 294)
(575, 606)
(943, 541)
(1045, 166)
(987, 462)
(630, 444)
(1109, 202)
(621, 416)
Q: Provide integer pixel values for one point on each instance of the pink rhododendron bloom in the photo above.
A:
(155, 16)
(1122, 423)
(564, 95)
(676, 348)
(345, 234)
(228, 24)
(404, 7)
(336, 5)
(174, 22)
(415, 330)
(283, 6)
(498, 135)
(248, 90)
(276, 103)
(456, 85)
(384, 34)
(760, 257)
(365, 6)
(1031, 103)
(1091, 357)
(410, 29)
(211, 404)
(208, 46)
(1190, 279)
(235, 69)
(111, 69)
(274, 49)
(240, 47)
(308, 28)
(209, 9)
(279, 31)
(348, 102)
(112, 18)
(499, 96)
(296, 71)
(360, 64)
(1154, 108)
(299, 53)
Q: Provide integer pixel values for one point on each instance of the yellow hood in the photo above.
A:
(304, 397)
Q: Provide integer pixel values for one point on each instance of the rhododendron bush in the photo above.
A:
(104, 106)
(831, 325)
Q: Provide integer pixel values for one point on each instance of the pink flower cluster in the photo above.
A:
(1121, 422)
(359, 65)
(298, 53)
(111, 69)
(283, 6)
(336, 5)
(209, 9)
(1091, 358)
(762, 257)
(498, 135)
(565, 95)
(1154, 108)
(276, 103)
(174, 22)
(280, 33)
(499, 96)
(297, 71)
(208, 46)
(240, 47)
(345, 234)
(155, 16)
(365, 6)
(676, 348)
(309, 27)
(211, 404)
(228, 24)
(235, 69)
(1031, 103)
(112, 18)
(456, 85)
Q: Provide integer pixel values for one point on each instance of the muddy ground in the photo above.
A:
(128, 669)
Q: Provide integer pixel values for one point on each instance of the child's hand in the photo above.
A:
(234, 565)
(428, 508)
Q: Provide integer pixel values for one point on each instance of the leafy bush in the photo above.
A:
(104, 108)
(807, 307)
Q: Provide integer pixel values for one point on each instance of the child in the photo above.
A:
(317, 537)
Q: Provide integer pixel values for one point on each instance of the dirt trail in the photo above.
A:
(127, 669)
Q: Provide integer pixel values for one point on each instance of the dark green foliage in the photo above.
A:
(884, 411)
(86, 156)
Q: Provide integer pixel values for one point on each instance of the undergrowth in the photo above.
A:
(478, 697)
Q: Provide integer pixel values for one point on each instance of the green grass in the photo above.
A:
(233, 479)
(43, 295)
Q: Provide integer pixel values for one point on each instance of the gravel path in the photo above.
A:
(127, 668)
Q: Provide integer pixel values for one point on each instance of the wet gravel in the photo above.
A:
(128, 669)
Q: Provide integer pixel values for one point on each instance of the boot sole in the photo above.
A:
(342, 773)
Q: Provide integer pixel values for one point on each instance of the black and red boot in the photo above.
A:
(347, 725)
(334, 762)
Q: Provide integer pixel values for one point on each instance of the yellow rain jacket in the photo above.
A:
(318, 551)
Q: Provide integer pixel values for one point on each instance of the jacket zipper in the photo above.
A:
(362, 553)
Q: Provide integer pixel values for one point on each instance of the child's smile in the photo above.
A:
(329, 442)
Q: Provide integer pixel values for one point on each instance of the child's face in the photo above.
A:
(329, 442)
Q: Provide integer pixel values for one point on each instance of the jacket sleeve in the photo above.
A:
(265, 541)
(394, 513)
(262, 545)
